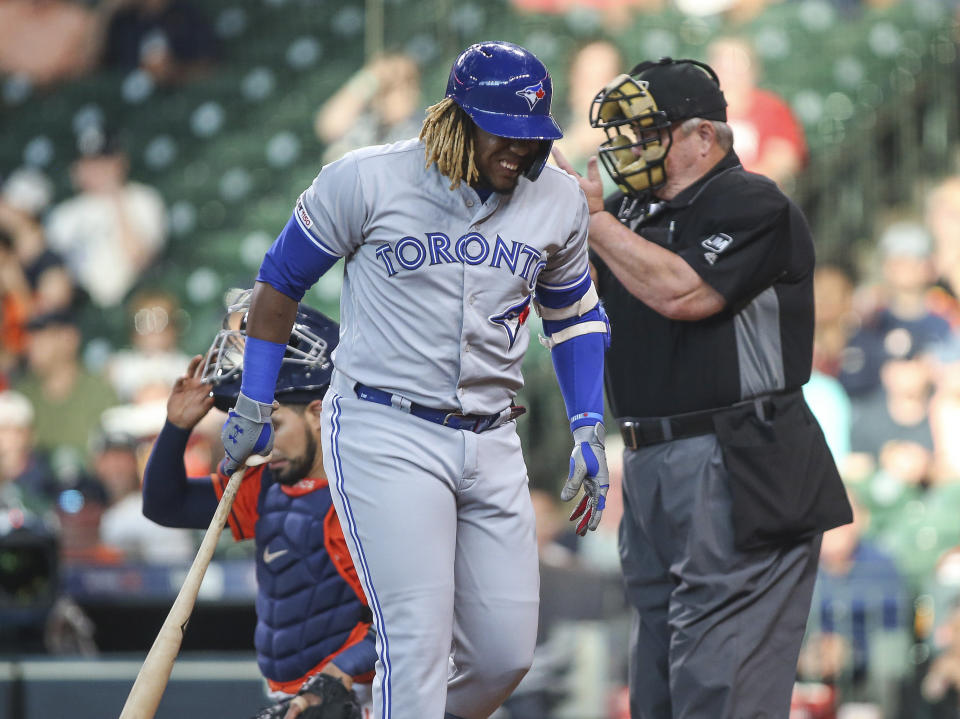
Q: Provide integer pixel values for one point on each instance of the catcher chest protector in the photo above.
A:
(507, 92)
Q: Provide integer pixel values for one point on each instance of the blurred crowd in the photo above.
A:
(77, 418)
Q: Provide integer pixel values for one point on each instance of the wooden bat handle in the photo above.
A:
(151, 681)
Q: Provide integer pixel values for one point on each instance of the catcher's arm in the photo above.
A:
(170, 498)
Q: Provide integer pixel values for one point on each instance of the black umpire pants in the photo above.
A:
(717, 631)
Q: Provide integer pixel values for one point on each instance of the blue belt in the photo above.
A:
(456, 420)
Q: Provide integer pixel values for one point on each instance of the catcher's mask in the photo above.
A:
(637, 111)
(506, 91)
(306, 367)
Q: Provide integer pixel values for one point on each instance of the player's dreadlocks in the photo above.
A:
(447, 134)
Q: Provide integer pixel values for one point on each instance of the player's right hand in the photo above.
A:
(247, 431)
(588, 469)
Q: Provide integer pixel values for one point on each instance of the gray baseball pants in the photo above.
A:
(440, 527)
(717, 631)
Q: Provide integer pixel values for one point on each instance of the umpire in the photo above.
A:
(706, 272)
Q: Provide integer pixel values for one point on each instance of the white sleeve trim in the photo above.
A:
(314, 240)
(567, 333)
(566, 285)
(586, 303)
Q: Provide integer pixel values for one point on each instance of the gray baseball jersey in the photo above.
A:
(437, 285)
(439, 523)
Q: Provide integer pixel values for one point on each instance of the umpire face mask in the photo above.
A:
(637, 111)
(638, 135)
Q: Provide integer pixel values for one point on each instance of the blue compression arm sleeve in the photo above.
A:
(295, 261)
(578, 363)
(171, 498)
(359, 659)
(261, 367)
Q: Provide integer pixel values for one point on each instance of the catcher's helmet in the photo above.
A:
(306, 367)
(507, 92)
(645, 104)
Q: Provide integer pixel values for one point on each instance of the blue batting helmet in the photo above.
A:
(306, 367)
(507, 92)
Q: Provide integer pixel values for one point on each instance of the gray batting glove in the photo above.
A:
(247, 431)
(588, 469)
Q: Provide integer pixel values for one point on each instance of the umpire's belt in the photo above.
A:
(448, 418)
(643, 431)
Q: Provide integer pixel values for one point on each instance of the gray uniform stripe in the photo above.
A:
(759, 351)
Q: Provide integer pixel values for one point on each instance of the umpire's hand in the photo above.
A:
(588, 469)
(247, 431)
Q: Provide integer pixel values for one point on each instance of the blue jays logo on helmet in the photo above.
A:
(306, 367)
(506, 91)
(533, 94)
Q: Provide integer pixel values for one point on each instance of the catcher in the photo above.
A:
(313, 637)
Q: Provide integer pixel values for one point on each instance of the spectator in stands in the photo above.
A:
(943, 221)
(47, 41)
(940, 679)
(732, 13)
(830, 405)
(113, 228)
(834, 317)
(153, 361)
(555, 546)
(592, 67)
(123, 526)
(768, 138)
(16, 301)
(172, 40)
(899, 410)
(33, 279)
(860, 599)
(941, 684)
(21, 465)
(616, 14)
(66, 398)
(903, 324)
(945, 410)
(380, 103)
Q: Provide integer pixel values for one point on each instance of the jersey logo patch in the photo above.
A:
(302, 214)
(715, 244)
(532, 93)
(512, 319)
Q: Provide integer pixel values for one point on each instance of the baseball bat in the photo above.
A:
(151, 681)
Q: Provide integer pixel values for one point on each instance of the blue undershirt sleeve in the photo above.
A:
(359, 659)
(170, 498)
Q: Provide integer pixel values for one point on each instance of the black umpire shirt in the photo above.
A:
(749, 242)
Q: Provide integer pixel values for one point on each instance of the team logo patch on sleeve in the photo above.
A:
(512, 319)
(715, 244)
(302, 214)
(532, 93)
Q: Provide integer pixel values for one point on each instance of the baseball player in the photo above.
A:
(313, 624)
(448, 240)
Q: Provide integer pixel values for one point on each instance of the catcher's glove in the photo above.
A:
(336, 701)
